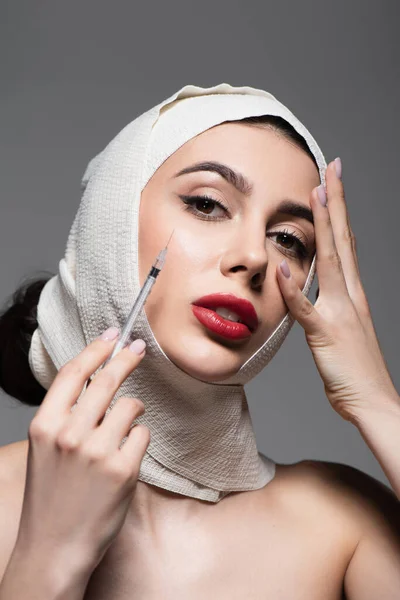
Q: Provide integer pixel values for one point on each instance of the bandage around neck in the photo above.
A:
(202, 440)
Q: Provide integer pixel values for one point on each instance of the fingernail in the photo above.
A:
(321, 194)
(137, 346)
(110, 334)
(338, 167)
(285, 268)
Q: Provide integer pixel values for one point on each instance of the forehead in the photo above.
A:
(262, 155)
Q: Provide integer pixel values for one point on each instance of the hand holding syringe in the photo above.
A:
(81, 477)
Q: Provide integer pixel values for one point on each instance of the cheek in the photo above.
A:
(171, 292)
(152, 233)
(187, 248)
(187, 258)
(302, 274)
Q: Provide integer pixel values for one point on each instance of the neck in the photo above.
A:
(150, 504)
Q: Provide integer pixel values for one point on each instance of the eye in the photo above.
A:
(204, 207)
(288, 241)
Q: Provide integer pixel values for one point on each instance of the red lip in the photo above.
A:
(243, 308)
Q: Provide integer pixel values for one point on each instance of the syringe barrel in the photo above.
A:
(137, 307)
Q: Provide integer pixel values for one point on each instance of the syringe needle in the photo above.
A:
(159, 262)
(170, 238)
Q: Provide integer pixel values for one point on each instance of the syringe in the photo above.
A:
(139, 303)
(137, 307)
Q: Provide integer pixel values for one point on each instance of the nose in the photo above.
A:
(246, 256)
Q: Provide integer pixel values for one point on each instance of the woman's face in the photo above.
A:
(233, 249)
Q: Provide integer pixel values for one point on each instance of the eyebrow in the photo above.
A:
(287, 207)
(290, 207)
(233, 177)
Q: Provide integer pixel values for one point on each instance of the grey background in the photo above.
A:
(74, 73)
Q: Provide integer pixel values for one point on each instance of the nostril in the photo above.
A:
(256, 280)
(238, 268)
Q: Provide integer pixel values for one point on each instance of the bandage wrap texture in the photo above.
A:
(202, 440)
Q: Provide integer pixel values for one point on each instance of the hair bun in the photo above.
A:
(18, 321)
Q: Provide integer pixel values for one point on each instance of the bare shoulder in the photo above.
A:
(366, 497)
(13, 460)
(359, 514)
(374, 566)
(344, 488)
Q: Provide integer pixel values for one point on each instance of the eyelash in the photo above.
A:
(301, 253)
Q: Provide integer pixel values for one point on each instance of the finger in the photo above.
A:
(98, 397)
(136, 445)
(72, 376)
(298, 304)
(344, 237)
(329, 268)
(116, 425)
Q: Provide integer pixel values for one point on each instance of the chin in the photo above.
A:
(205, 366)
(205, 374)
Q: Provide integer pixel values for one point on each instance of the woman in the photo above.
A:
(182, 505)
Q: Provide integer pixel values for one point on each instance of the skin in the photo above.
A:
(234, 253)
(317, 526)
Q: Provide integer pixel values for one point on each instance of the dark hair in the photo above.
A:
(18, 320)
(17, 324)
(283, 128)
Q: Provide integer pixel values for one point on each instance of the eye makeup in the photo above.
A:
(301, 252)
